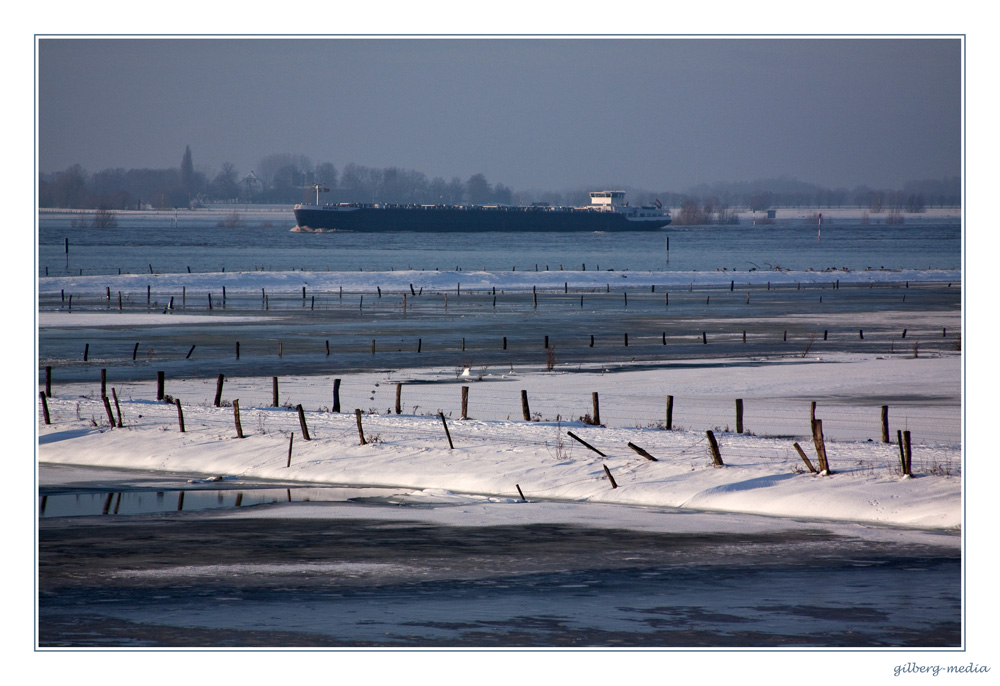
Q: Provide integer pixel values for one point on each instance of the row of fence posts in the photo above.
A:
(903, 437)
(545, 345)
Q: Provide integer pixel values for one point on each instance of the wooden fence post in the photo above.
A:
(118, 408)
(802, 454)
(465, 402)
(236, 416)
(670, 412)
(909, 453)
(597, 409)
(274, 391)
(739, 415)
(575, 437)
(302, 422)
(336, 395)
(159, 385)
(291, 437)
(399, 398)
(520, 493)
(451, 446)
(218, 390)
(817, 429)
(885, 423)
(610, 478)
(361, 431)
(48, 382)
(104, 382)
(107, 408)
(524, 406)
(714, 445)
(642, 452)
(180, 414)
(45, 408)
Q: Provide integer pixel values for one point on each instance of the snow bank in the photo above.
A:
(491, 459)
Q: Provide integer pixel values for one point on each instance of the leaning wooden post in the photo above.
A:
(302, 422)
(642, 452)
(885, 423)
(218, 390)
(610, 478)
(45, 407)
(524, 406)
(361, 431)
(597, 409)
(520, 493)
(714, 445)
(447, 433)
(670, 412)
(399, 398)
(107, 408)
(291, 437)
(802, 454)
(465, 402)
(236, 417)
(577, 438)
(118, 408)
(180, 414)
(336, 395)
(739, 415)
(159, 385)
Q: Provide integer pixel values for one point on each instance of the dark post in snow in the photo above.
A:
(274, 391)
(361, 431)
(802, 454)
(714, 445)
(524, 406)
(447, 433)
(236, 417)
(670, 412)
(597, 408)
(336, 395)
(465, 402)
(45, 408)
(399, 398)
(291, 437)
(739, 415)
(610, 478)
(159, 385)
(118, 408)
(218, 390)
(302, 422)
(180, 414)
(642, 452)
(885, 423)
(577, 438)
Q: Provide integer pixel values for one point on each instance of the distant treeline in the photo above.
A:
(287, 178)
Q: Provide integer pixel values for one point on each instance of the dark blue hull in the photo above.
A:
(448, 219)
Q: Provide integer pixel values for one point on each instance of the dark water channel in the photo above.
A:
(367, 576)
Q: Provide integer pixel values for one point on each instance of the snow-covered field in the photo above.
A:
(491, 457)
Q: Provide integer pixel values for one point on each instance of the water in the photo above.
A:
(163, 244)
(191, 579)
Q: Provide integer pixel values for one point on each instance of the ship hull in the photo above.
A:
(458, 219)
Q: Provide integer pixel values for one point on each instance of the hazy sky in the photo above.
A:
(655, 113)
